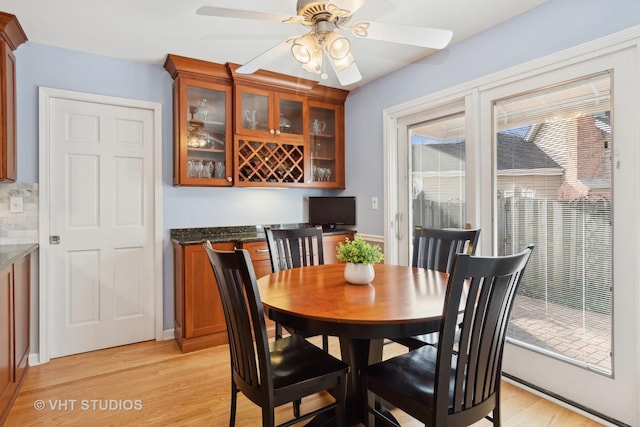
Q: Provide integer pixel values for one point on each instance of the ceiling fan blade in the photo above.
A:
(264, 58)
(349, 75)
(416, 36)
(240, 14)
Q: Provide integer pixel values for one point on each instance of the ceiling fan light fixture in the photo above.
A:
(337, 46)
(344, 63)
(314, 65)
(304, 48)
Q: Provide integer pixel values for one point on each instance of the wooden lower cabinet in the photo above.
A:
(6, 341)
(259, 253)
(199, 319)
(330, 245)
(14, 331)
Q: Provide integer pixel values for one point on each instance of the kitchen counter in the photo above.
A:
(11, 253)
(241, 234)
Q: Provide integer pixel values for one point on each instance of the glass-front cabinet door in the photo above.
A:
(203, 154)
(326, 145)
(269, 113)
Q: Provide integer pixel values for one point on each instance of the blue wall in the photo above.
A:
(40, 65)
(554, 26)
(551, 27)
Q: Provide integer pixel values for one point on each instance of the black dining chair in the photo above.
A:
(437, 385)
(292, 248)
(270, 374)
(435, 249)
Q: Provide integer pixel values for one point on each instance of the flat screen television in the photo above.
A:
(332, 212)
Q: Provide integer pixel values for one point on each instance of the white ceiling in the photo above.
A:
(147, 30)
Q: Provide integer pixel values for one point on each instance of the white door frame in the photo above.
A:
(45, 309)
(393, 134)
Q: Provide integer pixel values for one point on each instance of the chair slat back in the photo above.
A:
(294, 247)
(435, 248)
(244, 316)
(467, 377)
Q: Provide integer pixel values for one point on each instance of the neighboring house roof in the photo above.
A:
(513, 153)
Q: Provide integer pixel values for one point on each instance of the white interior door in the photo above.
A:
(101, 207)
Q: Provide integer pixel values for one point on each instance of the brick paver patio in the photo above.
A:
(585, 337)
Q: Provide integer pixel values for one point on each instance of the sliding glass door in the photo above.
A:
(549, 156)
(434, 150)
(563, 172)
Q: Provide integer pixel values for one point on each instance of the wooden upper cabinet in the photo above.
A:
(255, 130)
(269, 113)
(11, 36)
(202, 106)
(326, 145)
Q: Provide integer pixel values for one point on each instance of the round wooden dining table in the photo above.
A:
(400, 302)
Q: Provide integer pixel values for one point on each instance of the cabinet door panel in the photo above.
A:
(203, 308)
(254, 112)
(21, 284)
(326, 145)
(203, 133)
(6, 338)
(8, 160)
(290, 115)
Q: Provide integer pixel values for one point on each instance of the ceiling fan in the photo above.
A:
(325, 43)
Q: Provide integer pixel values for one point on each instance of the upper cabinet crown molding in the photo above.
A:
(270, 79)
(11, 31)
(196, 68)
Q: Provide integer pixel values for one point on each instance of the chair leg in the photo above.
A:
(296, 408)
(496, 410)
(341, 397)
(268, 417)
(325, 343)
(232, 409)
(367, 401)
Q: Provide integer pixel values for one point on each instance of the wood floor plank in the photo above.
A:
(154, 384)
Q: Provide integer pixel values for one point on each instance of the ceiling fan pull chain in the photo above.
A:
(324, 74)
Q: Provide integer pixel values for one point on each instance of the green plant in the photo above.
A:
(357, 251)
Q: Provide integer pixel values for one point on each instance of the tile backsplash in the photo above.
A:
(18, 227)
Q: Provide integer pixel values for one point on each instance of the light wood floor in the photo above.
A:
(153, 384)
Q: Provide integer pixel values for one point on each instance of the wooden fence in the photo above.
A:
(572, 260)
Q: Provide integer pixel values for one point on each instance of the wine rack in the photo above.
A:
(262, 162)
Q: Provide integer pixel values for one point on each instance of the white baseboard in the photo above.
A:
(34, 358)
(372, 238)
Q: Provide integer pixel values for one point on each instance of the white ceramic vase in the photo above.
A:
(358, 274)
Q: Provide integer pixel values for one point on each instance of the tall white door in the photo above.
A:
(101, 225)
(610, 392)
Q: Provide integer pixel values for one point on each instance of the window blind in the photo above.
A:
(554, 189)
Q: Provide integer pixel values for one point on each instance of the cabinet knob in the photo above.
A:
(229, 179)
(278, 132)
(271, 131)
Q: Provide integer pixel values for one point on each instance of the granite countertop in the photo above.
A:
(11, 253)
(241, 234)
